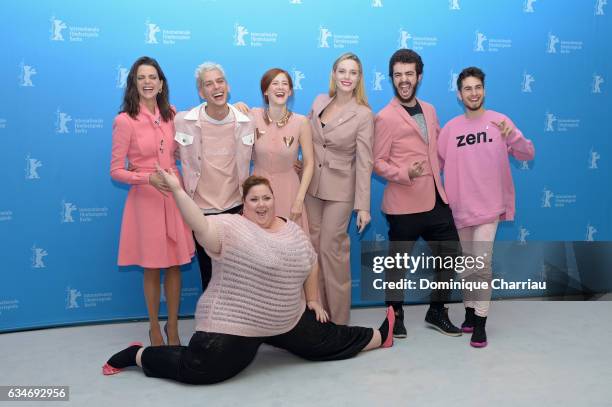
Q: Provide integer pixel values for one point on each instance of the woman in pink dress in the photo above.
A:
(279, 135)
(153, 234)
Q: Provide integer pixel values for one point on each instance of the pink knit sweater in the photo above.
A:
(257, 280)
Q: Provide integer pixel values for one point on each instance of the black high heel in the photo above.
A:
(167, 338)
(151, 339)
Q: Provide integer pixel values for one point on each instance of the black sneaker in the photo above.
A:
(438, 319)
(399, 330)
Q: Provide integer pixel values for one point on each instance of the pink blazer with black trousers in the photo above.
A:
(410, 204)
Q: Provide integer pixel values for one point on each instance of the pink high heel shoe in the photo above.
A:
(391, 321)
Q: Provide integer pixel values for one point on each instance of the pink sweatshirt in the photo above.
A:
(477, 178)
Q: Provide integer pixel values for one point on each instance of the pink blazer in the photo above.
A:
(191, 155)
(138, 140)
(343, 154)
(397, 145)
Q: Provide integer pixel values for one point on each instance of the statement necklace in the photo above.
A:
(279, 123)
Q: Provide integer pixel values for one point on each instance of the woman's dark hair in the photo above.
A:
(131, 99)
(253, 181)
(269, 76)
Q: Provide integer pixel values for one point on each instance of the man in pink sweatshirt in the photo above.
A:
(473, 150)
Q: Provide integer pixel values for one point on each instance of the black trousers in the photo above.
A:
(437, 228)
(214, 357)
(203, 257)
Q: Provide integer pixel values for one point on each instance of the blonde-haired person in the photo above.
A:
(342, 133)
(216, 140)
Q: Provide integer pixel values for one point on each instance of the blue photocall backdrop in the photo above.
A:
(62, 76)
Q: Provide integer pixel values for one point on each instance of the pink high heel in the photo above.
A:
(391, 321)
(108, 370)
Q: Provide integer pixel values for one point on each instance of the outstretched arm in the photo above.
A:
(205, 231)
(520, 147)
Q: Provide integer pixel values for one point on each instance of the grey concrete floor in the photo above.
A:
(540, 353)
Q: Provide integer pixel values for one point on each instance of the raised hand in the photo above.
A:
(242, 107)
(157, 181)
(169, 179)
(504, 128)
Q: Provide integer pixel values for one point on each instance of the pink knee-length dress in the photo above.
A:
(276, 149)
(153, 234)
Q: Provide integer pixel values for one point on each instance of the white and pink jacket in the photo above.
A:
(477, 178)
(189, 137)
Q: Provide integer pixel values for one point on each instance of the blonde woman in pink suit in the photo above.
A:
(153, 234)
(279, 135)
(342, 133)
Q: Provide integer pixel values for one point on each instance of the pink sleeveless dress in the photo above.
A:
(276, 149)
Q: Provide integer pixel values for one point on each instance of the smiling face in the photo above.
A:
(259, 206)
(405, 81)
(346, 76)
(213, 88)
(279, 90)
(472, 93)
(148, 83)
